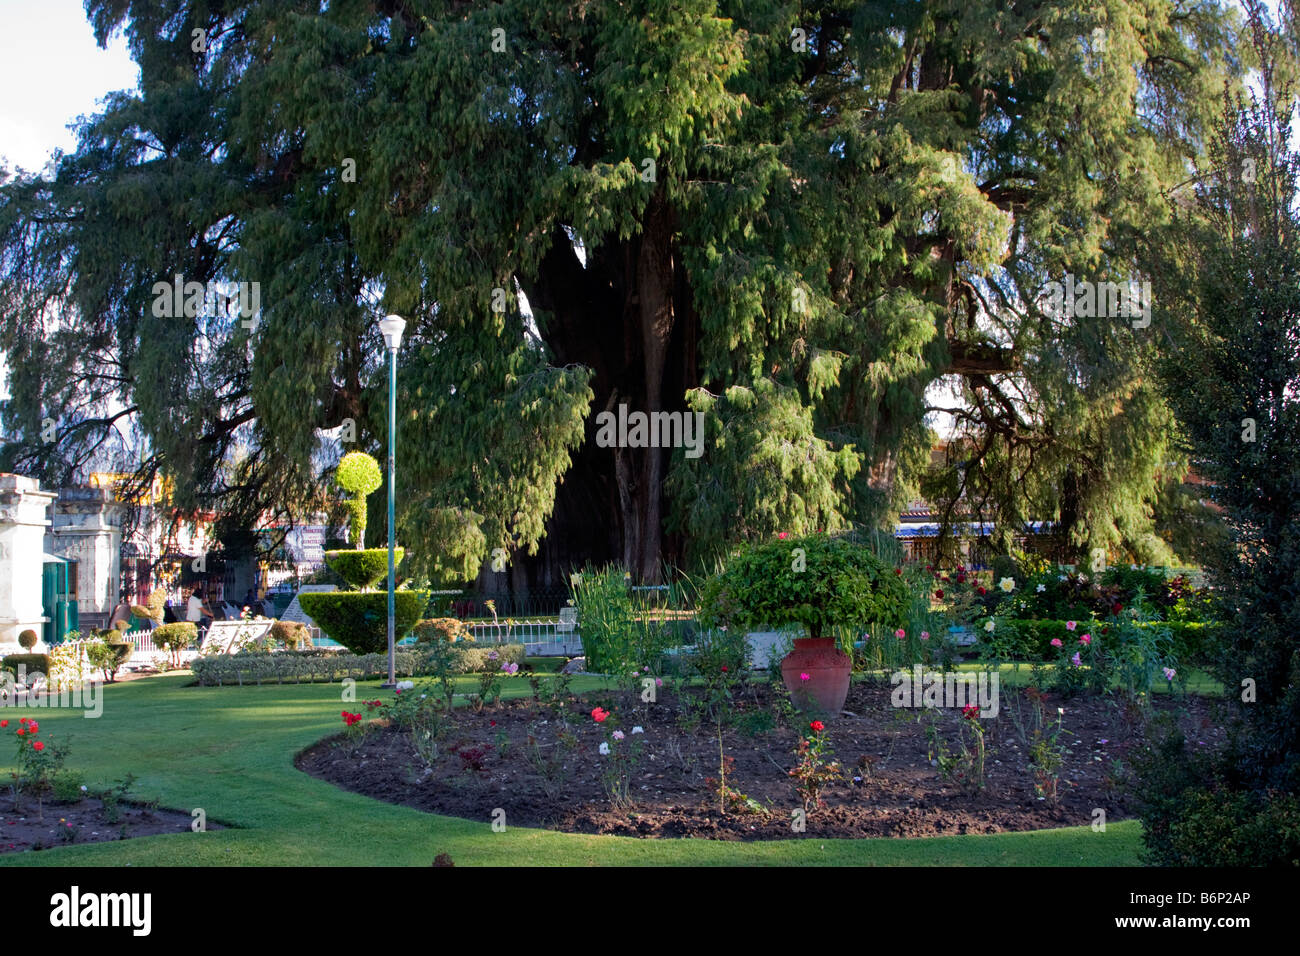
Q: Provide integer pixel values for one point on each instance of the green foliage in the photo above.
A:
(617, 636)
(175, 637)
(358, 474)
(154, 610)
(819, 582)
(27, 639)
(290, 634)
(359, 621)
(296, 667)
(1233, 376)
(110, 656)
(34, 663)
(825, 234)
(362, 569)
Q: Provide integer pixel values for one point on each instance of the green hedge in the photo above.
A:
(33, 663)
(313, 666)
(359, 620)
(297, 667)
(362, 569)
(1031, 640)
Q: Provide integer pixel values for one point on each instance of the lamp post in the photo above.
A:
(392, 326)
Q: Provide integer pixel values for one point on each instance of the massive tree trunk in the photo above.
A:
(618, 315)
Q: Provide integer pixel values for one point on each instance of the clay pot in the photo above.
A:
(828, 669)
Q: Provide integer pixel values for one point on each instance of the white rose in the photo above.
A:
(604, 750)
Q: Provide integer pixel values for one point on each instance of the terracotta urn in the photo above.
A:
(828, 669)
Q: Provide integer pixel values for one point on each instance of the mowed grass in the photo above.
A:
(230, 751)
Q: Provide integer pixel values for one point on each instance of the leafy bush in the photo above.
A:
(175, 637)
(27, 639)
(362, 569)
(290, 634)
(1188, 642)
(441, 629)
(33, 663)
(1191, 816)
(109, 657)
(819, 582)
(359, 621)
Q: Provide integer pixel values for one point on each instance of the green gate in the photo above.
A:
(57, 605)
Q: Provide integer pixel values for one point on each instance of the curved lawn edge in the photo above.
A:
(231, 752)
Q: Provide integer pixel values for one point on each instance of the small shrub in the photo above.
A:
(32, 663)
(817, 582)
(109, 657)
(359, 621)
(362, 569)
(290, 634)
(27, 639)
(175, 638)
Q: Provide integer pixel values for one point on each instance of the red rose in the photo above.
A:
(599, 715)
(21, 732)
(37, 745)
(32, 726)
(971, 712)
(982, 592)
(939, 594)
(817, 726)
(724, 668)
(898, 571)
(4, 723)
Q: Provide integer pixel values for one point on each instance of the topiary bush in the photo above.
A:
(291, 634)
(33, 663)
(27, 639)
(359, 621)
(362, 569)
(441, 629)
(152, 611)
(818, 582)
(174, 638)
(108, 656)
(358, 474)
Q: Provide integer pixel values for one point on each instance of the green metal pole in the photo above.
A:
(392, 498)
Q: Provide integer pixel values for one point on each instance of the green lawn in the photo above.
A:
(230, 751)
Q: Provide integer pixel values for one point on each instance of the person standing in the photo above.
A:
(197, 612)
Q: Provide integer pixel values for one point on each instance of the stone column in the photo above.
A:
(23, 521)
(87, 529)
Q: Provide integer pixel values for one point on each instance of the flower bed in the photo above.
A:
(611, 764)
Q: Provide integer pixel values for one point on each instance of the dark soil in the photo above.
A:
(85, 821)
(890, 785)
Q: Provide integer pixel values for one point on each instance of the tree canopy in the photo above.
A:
(799, 219)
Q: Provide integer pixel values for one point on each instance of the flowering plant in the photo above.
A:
(620, 756)
(814, 768)
(37, 760)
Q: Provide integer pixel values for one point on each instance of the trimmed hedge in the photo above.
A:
(1031, 640)
(359, 619)
(314, 666)
(33, 663)
(362, 569)
(297, 667)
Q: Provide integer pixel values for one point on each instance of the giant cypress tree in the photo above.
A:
(794, 218)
